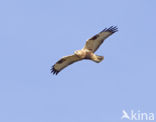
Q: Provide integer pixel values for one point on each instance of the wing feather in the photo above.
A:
(64, 62)
(93, 43)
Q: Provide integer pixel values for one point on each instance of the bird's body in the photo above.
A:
(85, 53)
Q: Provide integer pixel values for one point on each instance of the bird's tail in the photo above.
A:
(97, 58)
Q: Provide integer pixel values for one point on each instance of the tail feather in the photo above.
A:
(97, 58)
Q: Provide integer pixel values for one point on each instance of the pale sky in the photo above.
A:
(35, 34)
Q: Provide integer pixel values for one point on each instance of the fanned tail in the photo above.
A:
(97, 58)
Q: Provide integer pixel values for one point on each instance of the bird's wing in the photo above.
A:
(93, 43)
(64, 62)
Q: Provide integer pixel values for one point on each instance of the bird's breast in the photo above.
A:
(88, 55)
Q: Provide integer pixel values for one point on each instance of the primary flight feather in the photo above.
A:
(87, 52)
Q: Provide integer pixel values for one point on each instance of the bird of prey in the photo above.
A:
(87, 52)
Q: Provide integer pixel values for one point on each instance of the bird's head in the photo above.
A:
(79, 53)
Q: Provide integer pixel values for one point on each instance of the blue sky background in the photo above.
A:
(34, 34)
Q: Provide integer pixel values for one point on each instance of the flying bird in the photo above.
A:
(87, 52)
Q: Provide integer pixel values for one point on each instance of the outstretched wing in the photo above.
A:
(93, 43)
(64, 62)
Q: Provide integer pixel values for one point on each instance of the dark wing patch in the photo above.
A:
(64, 62)
(112, 29)
(60, 61)
(54, 71)
(93, 43)
(94, 37)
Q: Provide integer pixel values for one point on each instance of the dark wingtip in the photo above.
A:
(111, 29)
(54, 71)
